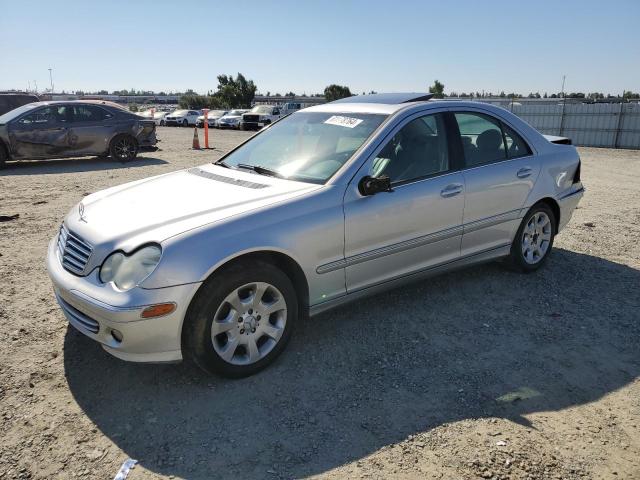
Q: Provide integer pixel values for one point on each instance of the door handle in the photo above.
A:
(524, 172)
(451, 190)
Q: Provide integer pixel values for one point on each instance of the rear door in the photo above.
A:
(89, 129)
(42, 133)
(499, 172)
(418, 224)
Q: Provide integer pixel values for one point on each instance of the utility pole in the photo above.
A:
(51, 79)
(36, 84)
(564, 103)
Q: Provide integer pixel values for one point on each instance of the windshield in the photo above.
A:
(307, 146)
(7, 117)
(261, 109)
(236, 112)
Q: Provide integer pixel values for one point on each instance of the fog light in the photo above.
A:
(117, 336)
(158, 310)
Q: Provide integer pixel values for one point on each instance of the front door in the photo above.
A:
(43, 133)
(418, 224)
(499, 173)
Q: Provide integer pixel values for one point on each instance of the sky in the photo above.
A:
(305, 45)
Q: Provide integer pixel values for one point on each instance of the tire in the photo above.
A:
(162, 123)
(185, 123)
(3, 156)
(237, 334)
(534, 240)
(123, 148)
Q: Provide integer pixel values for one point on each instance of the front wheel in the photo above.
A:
(534, 239)
(240, 320)
(185, 123)
(123, 148)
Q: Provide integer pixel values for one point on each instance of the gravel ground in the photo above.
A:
(481, 373)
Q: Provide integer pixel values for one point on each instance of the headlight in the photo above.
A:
(127, 271)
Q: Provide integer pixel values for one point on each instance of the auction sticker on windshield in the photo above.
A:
(341, 121)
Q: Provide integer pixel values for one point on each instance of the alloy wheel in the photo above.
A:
(249, 323)
(124, 149)
(536, 238)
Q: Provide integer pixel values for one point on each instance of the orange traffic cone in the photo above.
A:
(196, 142)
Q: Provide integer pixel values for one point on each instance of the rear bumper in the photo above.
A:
(143, 340)
(568, 203)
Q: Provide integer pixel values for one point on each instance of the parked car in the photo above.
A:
(212, 117)
(260, 116)
(182, 118)
(290, 107)
(72, 129)
(159, 118)
(10, 101)
(231, 119)
(330, 204)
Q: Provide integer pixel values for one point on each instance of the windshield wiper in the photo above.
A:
(261, 170)
(222, 163)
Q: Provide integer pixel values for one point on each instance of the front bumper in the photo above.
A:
(172, 123)
(96, 310)
(252, 125)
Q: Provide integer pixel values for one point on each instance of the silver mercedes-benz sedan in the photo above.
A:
(217, 263)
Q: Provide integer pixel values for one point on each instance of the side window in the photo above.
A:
(481, 138)
(88, 113)
(418, 150)
(46, 115)
(516, 146)
(276, 111)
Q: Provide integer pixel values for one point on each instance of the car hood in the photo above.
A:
(156, 208)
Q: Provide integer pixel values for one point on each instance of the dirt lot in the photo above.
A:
(482, 373)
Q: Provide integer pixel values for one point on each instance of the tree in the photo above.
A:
(437, 89)
(198, 102)
(235, 92)
(290, 94)
(336, 92)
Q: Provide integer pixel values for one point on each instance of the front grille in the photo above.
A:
(74, 252)
(251, 118)
(85, 322)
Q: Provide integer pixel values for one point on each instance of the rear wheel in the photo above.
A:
(185, 123)
(240, 320)
(534, 240)
(123, 148)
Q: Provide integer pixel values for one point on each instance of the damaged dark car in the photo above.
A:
(73, 129)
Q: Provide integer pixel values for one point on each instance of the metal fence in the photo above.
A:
(612, 125)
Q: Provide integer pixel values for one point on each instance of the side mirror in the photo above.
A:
(371, 185)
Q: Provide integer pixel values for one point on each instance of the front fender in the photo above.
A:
(309, 231)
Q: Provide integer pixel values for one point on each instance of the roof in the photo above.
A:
(84, 102)
(381, 103)
(387, 98)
